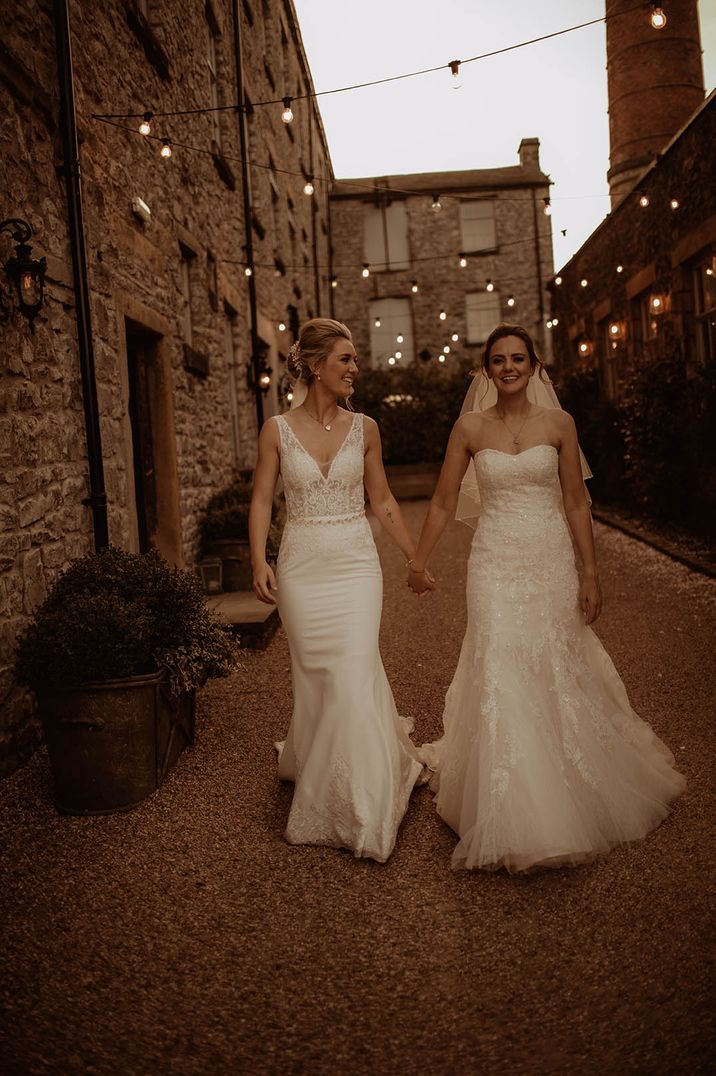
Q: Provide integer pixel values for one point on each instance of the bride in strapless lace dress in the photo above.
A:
(347, 749)
(543, 762)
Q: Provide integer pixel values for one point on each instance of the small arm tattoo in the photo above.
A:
(389, 514)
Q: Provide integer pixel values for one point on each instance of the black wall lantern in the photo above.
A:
(25, 274)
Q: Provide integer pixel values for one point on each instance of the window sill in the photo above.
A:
(153, 49)
(222, 166)
(195, 363)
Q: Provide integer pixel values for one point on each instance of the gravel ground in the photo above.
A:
(186, 937)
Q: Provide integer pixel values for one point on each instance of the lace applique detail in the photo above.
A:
(316, 504)
(542, 749)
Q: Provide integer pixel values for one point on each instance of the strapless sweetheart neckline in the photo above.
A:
(514, 454)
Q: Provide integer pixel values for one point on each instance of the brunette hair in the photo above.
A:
(315, 342)
(503, 330)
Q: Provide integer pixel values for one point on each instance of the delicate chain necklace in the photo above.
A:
(326, 425)
(515, 436)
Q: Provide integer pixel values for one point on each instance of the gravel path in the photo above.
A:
(185, 937)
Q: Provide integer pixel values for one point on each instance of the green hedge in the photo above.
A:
(652, 450)
(415, 407)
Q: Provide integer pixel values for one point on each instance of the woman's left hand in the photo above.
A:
(420, 582)
(590, 598)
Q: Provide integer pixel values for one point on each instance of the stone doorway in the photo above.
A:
(153, 445)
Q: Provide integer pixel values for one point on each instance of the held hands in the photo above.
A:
(420, 582)
(590, 598)
(264, 583)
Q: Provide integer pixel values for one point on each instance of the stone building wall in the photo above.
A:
(435, 242)
(124, 63)
(639, 252)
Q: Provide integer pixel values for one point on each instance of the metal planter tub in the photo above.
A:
(112, 743)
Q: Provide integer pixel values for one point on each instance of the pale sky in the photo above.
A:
(555, 90)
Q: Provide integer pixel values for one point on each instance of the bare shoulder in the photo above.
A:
(371, 429)
(270, 432)
(562, 420)
(470, 428)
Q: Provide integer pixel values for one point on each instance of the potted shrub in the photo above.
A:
(225, 533)
(114, 655)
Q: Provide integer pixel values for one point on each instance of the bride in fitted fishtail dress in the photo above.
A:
(543, 762)
(347, 749)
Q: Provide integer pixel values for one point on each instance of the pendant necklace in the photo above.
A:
(326, 425)
(515, 436)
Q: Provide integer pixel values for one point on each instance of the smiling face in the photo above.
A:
(339, 369)
(509, 365)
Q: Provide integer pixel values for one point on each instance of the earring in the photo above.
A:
(318, 377)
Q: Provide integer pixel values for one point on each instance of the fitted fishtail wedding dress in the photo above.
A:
(347, 749)
(543, 762)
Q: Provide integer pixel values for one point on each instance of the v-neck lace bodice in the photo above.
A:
(317, 503)
(312, 496)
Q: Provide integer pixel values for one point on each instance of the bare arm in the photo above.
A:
(382, 501)
(579, 517)
(265, 477)
(444, 501)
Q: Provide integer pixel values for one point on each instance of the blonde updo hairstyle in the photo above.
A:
(316, 341)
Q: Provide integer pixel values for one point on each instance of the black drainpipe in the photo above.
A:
(97, 499)
(256, 351)
(314, 210)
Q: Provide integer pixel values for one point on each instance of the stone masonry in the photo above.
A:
(130, 57)
(519, 265)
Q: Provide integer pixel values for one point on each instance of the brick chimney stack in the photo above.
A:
(655, 80)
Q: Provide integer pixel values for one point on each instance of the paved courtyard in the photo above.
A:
(186, 937)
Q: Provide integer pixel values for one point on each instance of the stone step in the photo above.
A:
(253, 621)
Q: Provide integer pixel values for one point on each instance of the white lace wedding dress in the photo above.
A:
(543, 762)
(347, 750)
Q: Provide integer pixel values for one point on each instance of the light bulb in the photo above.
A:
(454, 338)
(414, 287)
(442, 315)
(436, 204)
(643, 200)
(583, 282)
(166, 150)
(399, 354)
(674, 203)
(709, 271)
(614, 345)
(614, 329)
(441, 358)
(399, 338)
(265, 380)
(558, 280)
(391, 361)
(377, 323)
(584, 348)
(456, 80)
(489, 286)
(282, 326)
(511, 300)
(547, 208)
(308, 188)
(463, 261)
(620, 268)
(657, 18)
(549, 324)
(555, 321)
(287, 114)
(248, 271)
(334, 281)
(365, 271)
(446, 349)
(145, 127)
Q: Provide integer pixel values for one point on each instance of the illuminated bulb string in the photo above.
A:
(453, 65)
